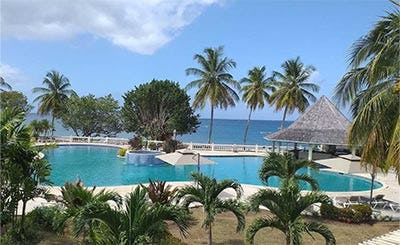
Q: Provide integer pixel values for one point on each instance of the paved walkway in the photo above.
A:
(391, 238)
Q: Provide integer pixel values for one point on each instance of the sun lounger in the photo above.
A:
(378, 200)
(395, 207)
(353, 200)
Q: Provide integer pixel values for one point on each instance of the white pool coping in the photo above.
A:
(390, 187)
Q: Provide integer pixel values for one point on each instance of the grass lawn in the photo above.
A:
(224, 231)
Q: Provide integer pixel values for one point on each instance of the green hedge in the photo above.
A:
(360, 213)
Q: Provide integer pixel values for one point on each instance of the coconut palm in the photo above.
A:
(372, 88)
(286, 206)
(54, 95)
(255, 90)
(4, 84)
(294, 89)
(139, 222)
(206, 192)
(215, 84)
(77, 199)
(286, 166)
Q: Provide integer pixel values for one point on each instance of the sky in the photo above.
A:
(111, 46)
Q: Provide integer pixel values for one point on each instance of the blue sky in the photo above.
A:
(108, 48)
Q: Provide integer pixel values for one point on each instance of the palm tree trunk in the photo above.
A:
(52, 125)
(211, 123)
(372, 186)
(284, 117)
(209, 235)
(287, 240)
(22, 228)
(247, 128)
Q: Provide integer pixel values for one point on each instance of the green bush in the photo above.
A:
(363, 212)
(136, 143)
(152, 146)
(46, 218)
(122, 152)
(171, 145)
(354, 214)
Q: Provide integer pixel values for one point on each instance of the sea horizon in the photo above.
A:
(225, 131)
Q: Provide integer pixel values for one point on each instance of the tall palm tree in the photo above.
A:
(215, 84)
(372, 87)
(206, 192)
(286, 206)
(255, 90)
(54, 95)
(139, 222)
(294, 88)
(4, 84)
(286, 166)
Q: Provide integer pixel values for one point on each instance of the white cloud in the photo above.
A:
(141, 26)
(11, 75)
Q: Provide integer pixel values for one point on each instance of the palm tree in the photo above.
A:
(255, 92)
(139, 222)
(294, 90)
(206, 192)
(77, 199)
(372, 88)
(215, 84)
(286, 166)
(4, 84)
(54, 95)
(286, 206)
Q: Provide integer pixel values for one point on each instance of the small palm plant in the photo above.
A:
(138, 222)
(286, 206)
(76, 199)
(206, 192)
(159, 192)
(286, 166)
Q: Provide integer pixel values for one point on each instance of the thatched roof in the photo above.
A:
(322, 123)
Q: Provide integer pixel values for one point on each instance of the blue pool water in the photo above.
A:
(99, 166)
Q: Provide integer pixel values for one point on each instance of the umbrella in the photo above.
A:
(184, 157)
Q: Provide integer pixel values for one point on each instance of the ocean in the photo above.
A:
(225, 131)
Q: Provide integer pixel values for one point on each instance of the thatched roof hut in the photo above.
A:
(321, 124)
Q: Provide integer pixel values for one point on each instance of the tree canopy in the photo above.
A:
(14, 99)
(155, 109)
(88, 115)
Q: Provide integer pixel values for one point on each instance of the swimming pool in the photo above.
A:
(99, 166)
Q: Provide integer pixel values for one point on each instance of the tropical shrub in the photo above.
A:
(355, 214)
(136, 143)
(122, 152)
(138, 222)
(286, 166)
(155, 109)
(46, 218)
(152, 146)
(286, 206)
(206, 191)
(158, 192)
(171, 145)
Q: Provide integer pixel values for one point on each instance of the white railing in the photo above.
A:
(191, 145)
